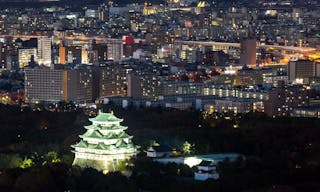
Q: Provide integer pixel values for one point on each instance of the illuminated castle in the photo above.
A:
(104, 144)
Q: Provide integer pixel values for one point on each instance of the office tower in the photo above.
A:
(26, 56)
(134, 85)
(84, 56)
(62, 54)
(115, 49)
(129, 46)
(301, 70)
(71, 54)
(248, 50)
(102, 13)
(12, 61)
(113, 81)
(74, 54)
(283, 99)
(58, 85)
(101, 51)
(44, 51)
(2, 55)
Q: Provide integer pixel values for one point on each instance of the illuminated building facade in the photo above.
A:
(149, 10)
(2, 55)
(115, 49)
(26, 56)
(62, 54)
(283, 99)
(72, 54)
(113, 81)
(101, 51)
(234, 105)
(173, 3)
(301, 71)
(44, 51)
(58, 85)
(104, 144)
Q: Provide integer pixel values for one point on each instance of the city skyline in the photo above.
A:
(170, 95)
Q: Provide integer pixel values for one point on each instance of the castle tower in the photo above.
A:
(104, 144)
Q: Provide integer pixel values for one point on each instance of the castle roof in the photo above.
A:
(93, 133)
(113, 127)
(105, 117)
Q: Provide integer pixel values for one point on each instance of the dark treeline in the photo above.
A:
(282, 154)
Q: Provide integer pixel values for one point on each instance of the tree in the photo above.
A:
(36, 178)
(26, 163)
(187, 148)
(10, 160)
(52, 157)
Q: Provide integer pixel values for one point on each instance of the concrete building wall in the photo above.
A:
(58, 85)
(248, 50)
(134, 85)
(44, 51)
(303, 69)
(44, 85)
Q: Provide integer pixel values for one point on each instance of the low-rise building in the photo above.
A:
(309, 111)
(234, 105)
(206, 170)
(159, 151)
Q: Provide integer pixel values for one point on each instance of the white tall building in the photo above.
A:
(44, 51)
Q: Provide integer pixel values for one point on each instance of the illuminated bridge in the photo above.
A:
(226, 46)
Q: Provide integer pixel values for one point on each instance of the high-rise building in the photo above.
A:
(113, 81)
(151, 85)
(102, 13)
(301, 70)
(134, 85)
(283, 99)
(248, 51)
(62, 54)
(12, 61)
(44, 51)
(2, 55)
(58, 85)
(84, 56)
(26, 56)
(115, 49)
(74, 54)
(102, 51)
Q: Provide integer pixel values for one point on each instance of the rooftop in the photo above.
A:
(162, 148)
(105, 117)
